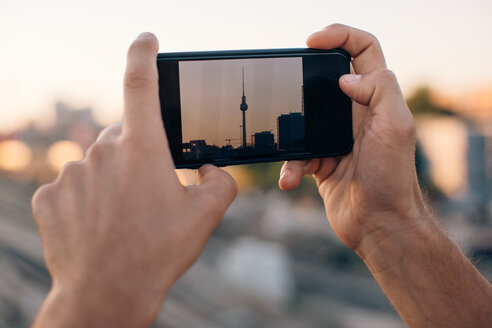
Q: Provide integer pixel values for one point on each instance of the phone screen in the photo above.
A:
(241, 107)
(241, 110)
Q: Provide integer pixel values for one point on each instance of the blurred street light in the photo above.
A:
(62, 152)
(15, 155)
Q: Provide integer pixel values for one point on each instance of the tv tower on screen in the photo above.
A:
(244, 108)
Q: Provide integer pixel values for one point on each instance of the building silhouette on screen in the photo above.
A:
(290, 137)
(263, 141)
(290, 131)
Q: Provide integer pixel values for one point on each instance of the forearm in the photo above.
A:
(427, 278)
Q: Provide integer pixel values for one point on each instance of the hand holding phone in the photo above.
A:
(250, 106)
(375, 187)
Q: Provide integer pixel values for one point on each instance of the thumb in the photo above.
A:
(141, 91)
(372, 88)
(379, 90)
(292, 172)
(217, 189)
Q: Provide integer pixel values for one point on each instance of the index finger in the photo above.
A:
(141, 91)
(362, 46)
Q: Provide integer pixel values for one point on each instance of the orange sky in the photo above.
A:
(475, 104)
(75, 51)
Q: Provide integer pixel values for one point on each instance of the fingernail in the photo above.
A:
(284, 174)
(351, 78)
(145, 35)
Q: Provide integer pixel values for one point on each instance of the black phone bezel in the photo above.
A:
(171, 111)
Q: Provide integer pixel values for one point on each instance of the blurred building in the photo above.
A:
(66, 116)
(478, 182)
(30, 134)
(459, 166)
(70, 135)
(75, 124)
(259, 267)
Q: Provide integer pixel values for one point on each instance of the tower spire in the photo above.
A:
(244, 107)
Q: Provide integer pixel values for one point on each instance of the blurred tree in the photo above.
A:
(264, 175)
(421, 102)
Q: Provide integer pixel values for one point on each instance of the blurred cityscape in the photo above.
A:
(274, 261)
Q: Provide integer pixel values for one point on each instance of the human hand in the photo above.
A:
(118, 228)
(373, 191)
(374, 205)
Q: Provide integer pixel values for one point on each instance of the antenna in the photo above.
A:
(243, 81)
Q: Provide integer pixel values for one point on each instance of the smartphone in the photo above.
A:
(252, 106)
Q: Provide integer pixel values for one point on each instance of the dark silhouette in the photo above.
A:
(244, 108)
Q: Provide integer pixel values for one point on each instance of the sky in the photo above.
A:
(75, 51)
(211, 94)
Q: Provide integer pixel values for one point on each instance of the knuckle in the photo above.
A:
(365, 36)
(374, 39)
(408, 130)
(230, 183)
(137, 144)
(386, 75)
(111, 132)
(404, 128)
(41, 198)
(137, 79)
(70, 169)
(40, 195)
(99, 150)
(94, 151)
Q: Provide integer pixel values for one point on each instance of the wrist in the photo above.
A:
(389, 236)
(91, 306)
(424, 274)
